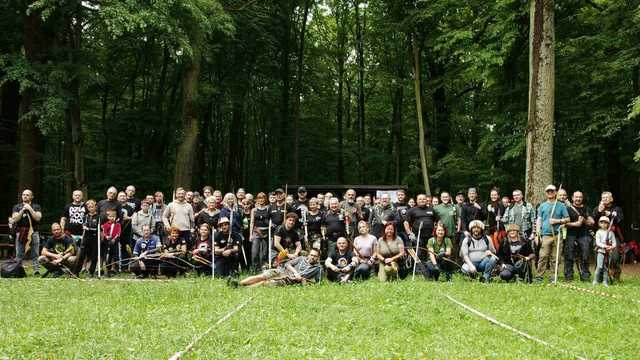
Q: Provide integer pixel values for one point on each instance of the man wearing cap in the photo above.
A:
(478, 252)
(515, 254)
(577, 235)
(551, 215)
(278, 209)
(226, 247)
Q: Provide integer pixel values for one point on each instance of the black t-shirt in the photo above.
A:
(261, 217)
(469, 213)
(300, 206)
(206, 218)
(134, 203)
(106, 205)
(402, 209)
(171, 244)
(341, 261)
(91, 222)
(74, 213)
(427, 216)
(366, 213)
(574, 213)
(314, 223)
(288, 238)
(334, 223)
(59, 245)
(126, 225)
(277, 212)
(222, 240)
(24, 220)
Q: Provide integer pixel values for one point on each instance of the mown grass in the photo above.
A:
(64, 318)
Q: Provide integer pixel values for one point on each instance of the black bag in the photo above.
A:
(12, 269)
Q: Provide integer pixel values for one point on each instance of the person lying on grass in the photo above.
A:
(58, 254)
(341, 262)
(301, 270)
(478, 252)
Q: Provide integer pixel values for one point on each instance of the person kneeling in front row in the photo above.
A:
(478, 252)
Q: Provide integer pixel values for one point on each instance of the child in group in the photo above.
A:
(605, 242)
(111, 231)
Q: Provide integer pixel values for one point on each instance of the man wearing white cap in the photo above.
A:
(551, 215)
(478, 252)
(226, 245)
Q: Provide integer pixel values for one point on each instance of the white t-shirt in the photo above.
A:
(364, 245)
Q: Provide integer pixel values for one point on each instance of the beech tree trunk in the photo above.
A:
(186, 155)
(421, 130)
(540, 123)
(298, 93)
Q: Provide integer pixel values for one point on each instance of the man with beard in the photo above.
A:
(226, 248)
(341, 262)
(278, 209)
(577, 235)
(286, 241)
(26, 217)
(422, 214)
(149, 244)
(351, 214)
(58, 254)
(551, 215)
(478, 252)
(471, 210)
(73, 217)
(402, 206)
(381, 214)
(333, 221)
(363, 208)
(614, 213)
(521, 213)
(301, 270)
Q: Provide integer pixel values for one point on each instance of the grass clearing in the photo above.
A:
(148, 319)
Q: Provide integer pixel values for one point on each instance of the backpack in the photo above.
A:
(12, 269)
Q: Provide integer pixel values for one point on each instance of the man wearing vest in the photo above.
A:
(478, 252)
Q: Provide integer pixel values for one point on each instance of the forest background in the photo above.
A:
(257, 93)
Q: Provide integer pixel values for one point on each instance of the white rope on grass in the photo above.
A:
(508, 327)
(195, 340)
(598, 293)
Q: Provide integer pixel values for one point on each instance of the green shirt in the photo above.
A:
(437, 248)
(448, 215)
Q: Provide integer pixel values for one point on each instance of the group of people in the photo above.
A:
(288, 239)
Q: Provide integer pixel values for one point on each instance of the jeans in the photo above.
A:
(259, 252)
(34, 250)
(582, 243)
(363, 271)
(443, 266)
(485, 266)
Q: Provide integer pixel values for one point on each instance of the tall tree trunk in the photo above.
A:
(360, 60)
(396, 131)
(540, 123)
(341, 8)
(298, 93)
(9, 113)
(185, 157)
(38, 39)
(77, 135)
(421, 129)
(282, 138)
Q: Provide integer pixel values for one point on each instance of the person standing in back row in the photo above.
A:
(179, 214)
(551, 215)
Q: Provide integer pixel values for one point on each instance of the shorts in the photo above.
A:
(273, 274)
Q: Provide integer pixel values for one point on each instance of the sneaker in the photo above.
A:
(595, 282)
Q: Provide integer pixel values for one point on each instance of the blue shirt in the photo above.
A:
(544, 213)
(143, 245)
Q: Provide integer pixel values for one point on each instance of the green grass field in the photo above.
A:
(65, 318)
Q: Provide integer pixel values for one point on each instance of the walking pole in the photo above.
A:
(213, 263)
(415, 262)
(99, 259)
(555, 275)
(269, 243)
